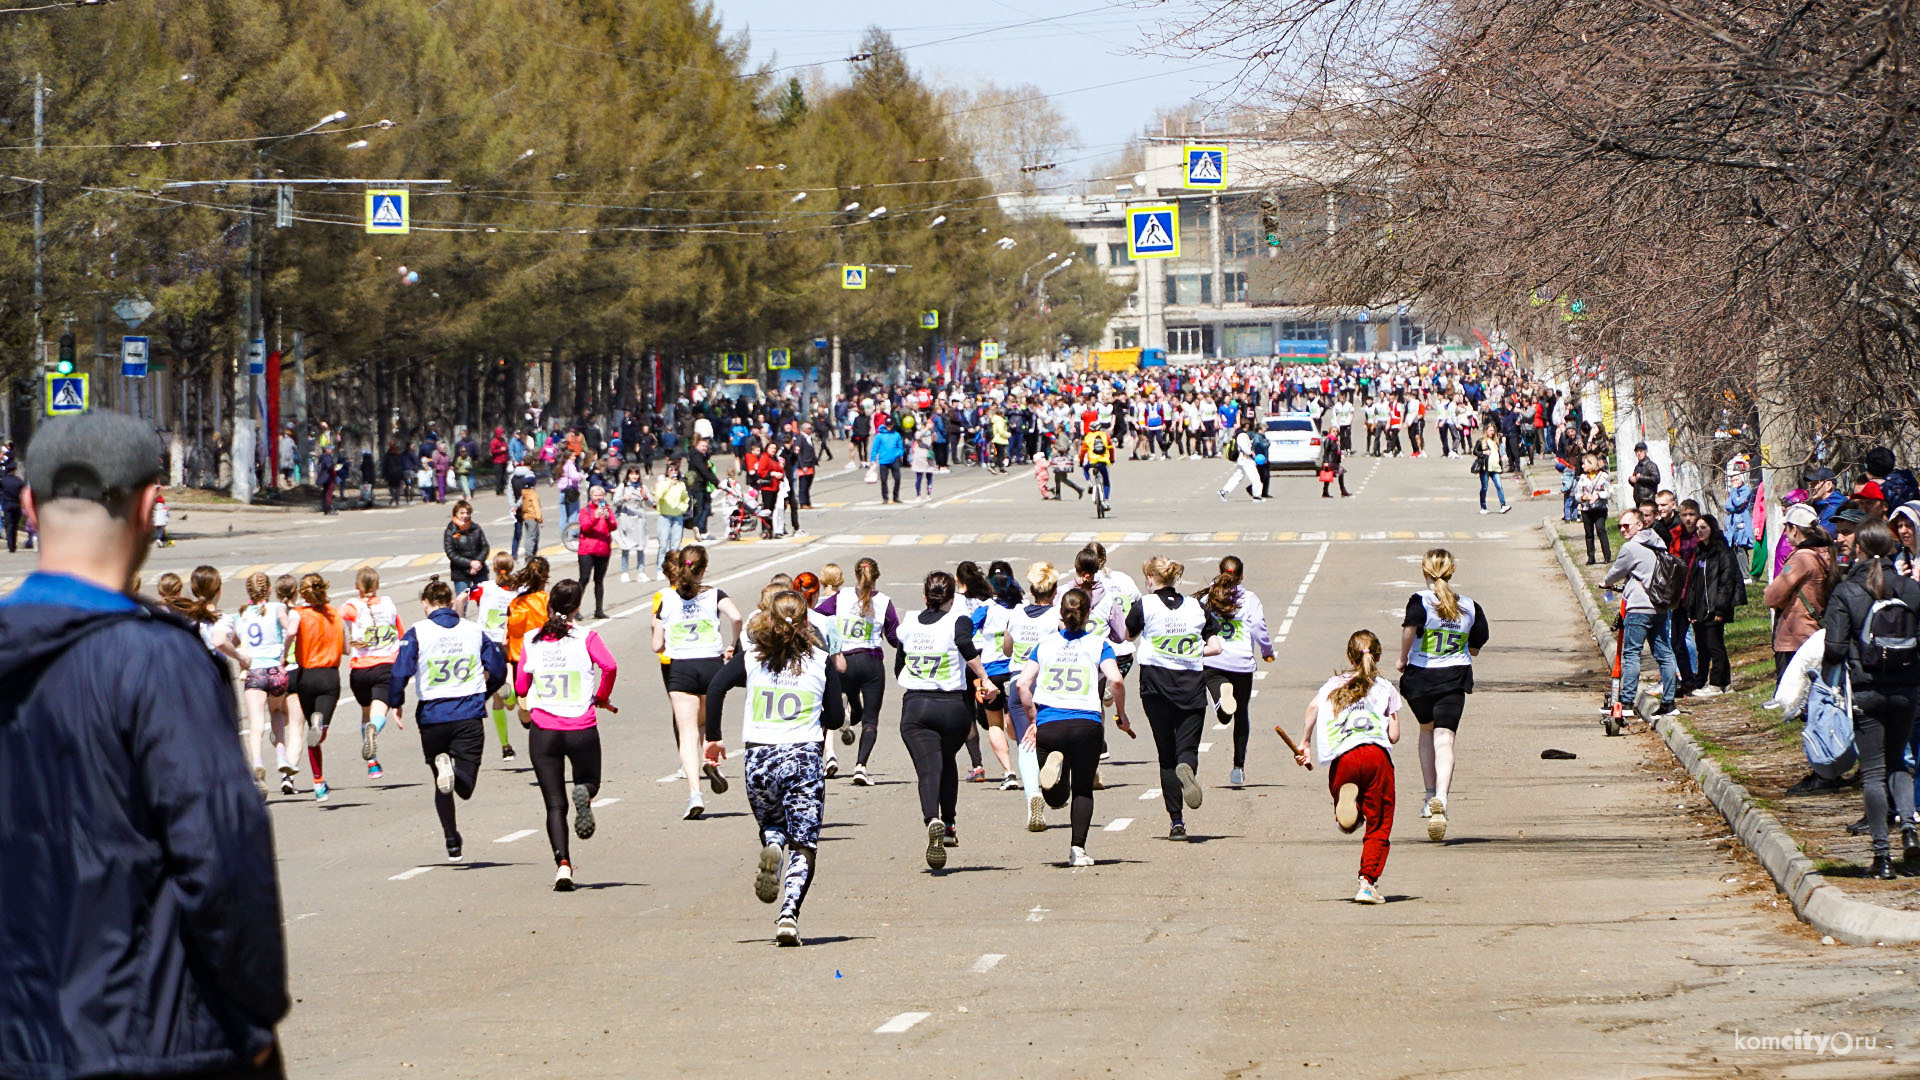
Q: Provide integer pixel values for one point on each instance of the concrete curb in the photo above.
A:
(1818, 902)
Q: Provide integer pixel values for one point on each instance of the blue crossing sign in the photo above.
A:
(1153, 232)
(1206, 167)
(779, 359)
(853, 277)
(387, 210)
(734, 363)
(66, 395)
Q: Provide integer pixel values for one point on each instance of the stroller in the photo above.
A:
(741, 509)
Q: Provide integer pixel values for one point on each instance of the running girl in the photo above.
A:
(555, 676)
(1243, 631)
(526, 613)
(1059, 683)
(319, 645)
(1027, 626)
(264, 627)
(1174, 633)
(990, 620)
(807, 584)
(975, 596)
(454, 667)
(216, 629)
(493, 601)
(373, 641)
(1351, 722)
(937, 652)
(686, 630)
(1442, 634)
(867, 620)
(793, 700)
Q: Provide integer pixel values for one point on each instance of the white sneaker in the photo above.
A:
(695, 807)
(1484, 510)
(1228, 704)
(1436, 819)
(786, 931)
(832, 768)
(1368, 894)
(1050, 770)
(563, 878)
(625, 577)
(1078, 857)
(443, 774)
(1708, 691)
(641, 575)
(1506, 507)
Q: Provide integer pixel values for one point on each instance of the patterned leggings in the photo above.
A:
(787, 788)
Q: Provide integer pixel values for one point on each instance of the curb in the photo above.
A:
(1816, 901)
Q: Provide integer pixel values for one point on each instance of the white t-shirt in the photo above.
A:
(1363, 722)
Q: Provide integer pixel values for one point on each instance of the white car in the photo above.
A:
(1292, 441)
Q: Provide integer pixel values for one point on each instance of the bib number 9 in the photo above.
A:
(1066, 681)
(256, 634)
(1230, 629)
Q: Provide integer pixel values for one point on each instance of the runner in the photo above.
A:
(1026, 627)
(319, 645)
(867, 620)
(493, 604)
(1351, 722)
(990, 622)
(936, 653)
(793, 701)
(686, 630)
(454, 667)
(555, 676)
(526, 613)
(216, 629)
(264, 628)
(807, 584)
(1243, 631)
(1174, 632)
(373, 640)
(976, 595)
(1058, 685)
(1441, 635)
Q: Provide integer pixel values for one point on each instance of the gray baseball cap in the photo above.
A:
(100, 457)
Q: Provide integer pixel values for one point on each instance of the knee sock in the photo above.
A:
(799, 876)
(443, 805)
(313, 759)
(500, 725)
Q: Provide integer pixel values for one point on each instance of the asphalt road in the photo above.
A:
(1583, 918)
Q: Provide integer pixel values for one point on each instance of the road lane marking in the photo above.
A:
(395, 562)
(605, 800)
(1118, 824)
(1150, 793)
(1205, 746)
(986, 963)
(1037, 913)
(413, 873)
(512, 836)
(900, 1023)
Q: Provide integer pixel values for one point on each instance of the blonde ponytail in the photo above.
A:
(1437, 565)
(1363, 652)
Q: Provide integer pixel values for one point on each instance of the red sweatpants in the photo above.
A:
(1368, 766)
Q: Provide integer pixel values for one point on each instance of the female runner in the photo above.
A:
(216, 629)
(1351, 723)
(793, 700)
(526, 613)
(990, 622)
(1060, 683)
(1243, 632)
(807, 584)
(867, 620)
(1175, 633)
(686, 630)
(555, 676)
(1442, 634)
(1027, 626)
(454, 668)
(264, 627)
(493, 606)
(937, 652)
(373, 641)
(320, 643)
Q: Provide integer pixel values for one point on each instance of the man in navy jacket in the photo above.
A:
(140, 926)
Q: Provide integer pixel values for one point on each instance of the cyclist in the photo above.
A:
(1096, 453)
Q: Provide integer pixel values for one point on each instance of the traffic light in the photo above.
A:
(1270, 220)
(64, 365)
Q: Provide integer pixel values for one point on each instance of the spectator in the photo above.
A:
(1798, 593)
(497, 454)
(142, 923)
(1716, 586)
(1645, 476)
(701, 484)
(1822, 496)
(12, 485)
(1739, 511)
(1645, 625)
(1591, 493)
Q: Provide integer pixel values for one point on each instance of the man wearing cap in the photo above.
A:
(1822, 496)
(1645, 626)
(141, 931)
(1645, 476)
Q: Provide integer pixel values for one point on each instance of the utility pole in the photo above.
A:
(39, 229)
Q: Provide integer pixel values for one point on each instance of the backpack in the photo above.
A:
(1668, 580)
(1233, 449)
(1828, 737)
(1259, 447)
(1889, 637)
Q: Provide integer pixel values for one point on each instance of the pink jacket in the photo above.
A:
(596, 529)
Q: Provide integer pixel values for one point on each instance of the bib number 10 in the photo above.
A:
(774, 705)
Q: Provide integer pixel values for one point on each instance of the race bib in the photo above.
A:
(1443, 642)
(693, 632)
(774, 705)
(934, 667)
(1182, 645)
(1065, 680)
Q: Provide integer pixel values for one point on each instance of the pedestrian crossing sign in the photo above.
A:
(989, 350)
(387, 210)
(734, 363)
(1153, 232)
(930, 320)
(779, 359)
(66, 395)
(1206, 167)
(853, 277)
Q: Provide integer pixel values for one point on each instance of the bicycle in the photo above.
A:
(570, 536)
(1098, 480)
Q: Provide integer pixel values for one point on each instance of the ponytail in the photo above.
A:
(1044, 580)
(688, 565)
(781, 633)
(205, 584)
(562, 603)
(532, 577)
(1005, 588)
(1437, 565)
(1221, 596)
(313, 589)
(866, 579)
(437, 593)
(1363, 652)
(1073, 609)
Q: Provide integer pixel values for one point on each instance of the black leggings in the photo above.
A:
(1242, 683)
(1711, 639)
(594, 567)
(934, 725)
(551, 751)
(463, 741)
(1594, 520)
(1080, 741)
(1176, 735)
(865, 684)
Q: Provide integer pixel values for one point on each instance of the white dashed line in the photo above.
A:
(900, 1023)
(605, 800)
(1259, 674)
(986, 963)
(1150, 793)
(512, 836)
(1037, 914)
(1118, 824)
(413, 873)
(1205, 746)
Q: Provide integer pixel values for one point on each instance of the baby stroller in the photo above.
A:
(742, 509)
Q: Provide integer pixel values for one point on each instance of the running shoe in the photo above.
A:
(846, 734)
(453, 848)
(1078, 857)
(1228, 704)
(695, 807)
(286, 785)
(582, 812)
(1177, 831)
(1009, 782)
(833, 767)
(1237, 777)
(977, 774)
(368, 748)
(563, 877)
(443, 773)
(952, 839)
(1503, 509)
(1368, 894)
(786, 932)
(260, 774)
(321, 791)
(715, 778)
(1036, 814)
(766, 883)
(860, 777)
(1436, 819)
(1099, 782)
(936, 844)
(1051, 768)
(1346, 808)
(1190, 792)
(374, 772)
(507, 752)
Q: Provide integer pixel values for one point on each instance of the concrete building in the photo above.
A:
(1216, 300)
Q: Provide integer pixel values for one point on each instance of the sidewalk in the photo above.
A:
(1731, 743)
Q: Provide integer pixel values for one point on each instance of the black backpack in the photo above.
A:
(1668, 581)
(1889, 637)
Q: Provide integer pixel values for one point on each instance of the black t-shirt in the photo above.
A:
(1180, 689)
(1430, 682)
